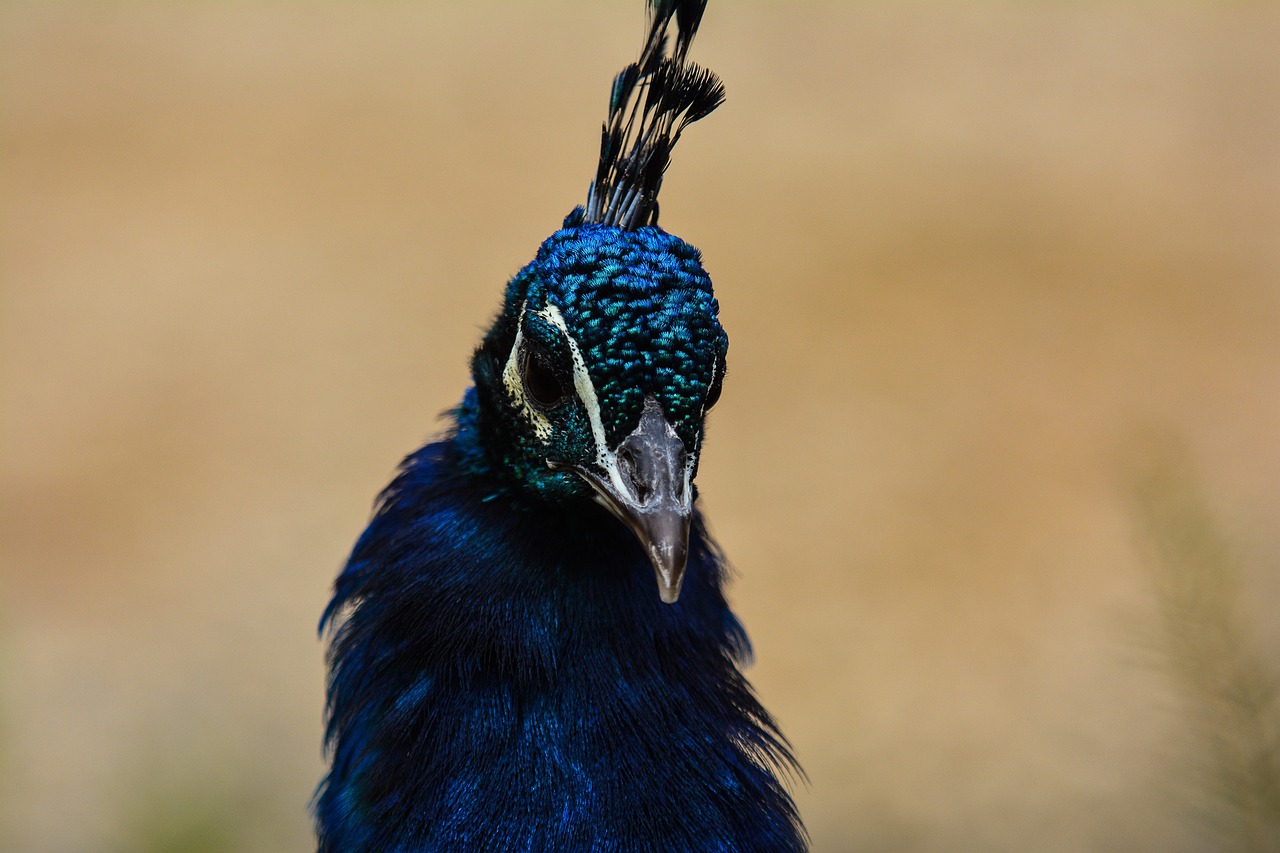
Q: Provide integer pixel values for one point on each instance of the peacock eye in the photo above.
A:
(540, 381)
(717, 382)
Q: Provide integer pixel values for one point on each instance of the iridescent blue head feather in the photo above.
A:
(636, 310)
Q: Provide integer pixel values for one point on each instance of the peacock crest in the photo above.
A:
(652, 101)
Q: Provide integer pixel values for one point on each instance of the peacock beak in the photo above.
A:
(646, 485)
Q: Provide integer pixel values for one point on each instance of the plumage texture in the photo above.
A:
(503, 673)
(505, 679)
(651, 103)
(644, 313)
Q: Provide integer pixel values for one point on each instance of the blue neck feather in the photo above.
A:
(505, 678)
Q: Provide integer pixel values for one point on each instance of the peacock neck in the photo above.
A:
(502, 587)
(492, 648)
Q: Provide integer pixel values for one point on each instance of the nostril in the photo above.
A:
(629, 466)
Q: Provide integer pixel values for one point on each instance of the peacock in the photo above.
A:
(503, 673)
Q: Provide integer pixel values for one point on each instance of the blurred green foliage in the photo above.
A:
(178, 807)
(5, 778)
(1226, 684)
(170, 825)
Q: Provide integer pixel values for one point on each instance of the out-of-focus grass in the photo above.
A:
(5, 778)
(180, 826)
(1226, 685)
(194, 815)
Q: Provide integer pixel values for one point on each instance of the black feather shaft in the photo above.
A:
(651, 102)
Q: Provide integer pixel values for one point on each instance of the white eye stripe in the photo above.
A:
(606, 459)
(715, 368)
(586, 391)
(515, 387)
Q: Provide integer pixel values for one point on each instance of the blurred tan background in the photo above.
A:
(980, 264)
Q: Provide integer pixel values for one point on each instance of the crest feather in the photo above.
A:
(652, 101)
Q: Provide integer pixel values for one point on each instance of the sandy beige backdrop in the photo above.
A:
(971, 258)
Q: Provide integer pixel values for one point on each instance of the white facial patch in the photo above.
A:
(606, 459)
(515, 387)
(586, 391)
(689, 461)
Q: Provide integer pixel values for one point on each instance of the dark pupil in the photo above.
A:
(539, 379)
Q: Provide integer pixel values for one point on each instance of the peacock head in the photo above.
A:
(597, 376)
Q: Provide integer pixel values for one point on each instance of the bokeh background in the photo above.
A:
(997, 461)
